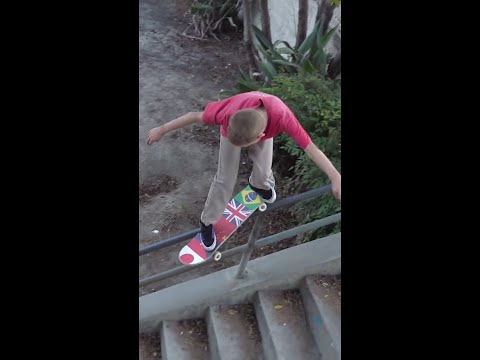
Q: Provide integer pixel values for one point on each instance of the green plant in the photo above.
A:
(316, 102)
(281, 57)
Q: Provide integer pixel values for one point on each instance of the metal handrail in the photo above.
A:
(252, 243)
(278, 204)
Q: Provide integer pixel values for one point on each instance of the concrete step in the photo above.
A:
(283, 327)
(184, 340)
(323, 316)
(233, 333)
(149, 346)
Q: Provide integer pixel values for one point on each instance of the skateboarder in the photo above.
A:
(250, 120)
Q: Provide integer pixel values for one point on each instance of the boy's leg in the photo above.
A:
(262, 178)
(221, 189)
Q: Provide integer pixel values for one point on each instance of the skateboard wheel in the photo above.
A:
(217, 256)
(263, 207)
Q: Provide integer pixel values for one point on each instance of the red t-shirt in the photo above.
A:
(280, 117)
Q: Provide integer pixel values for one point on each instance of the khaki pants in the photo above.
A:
(224, 181)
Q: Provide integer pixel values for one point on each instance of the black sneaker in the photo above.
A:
(207, 235)
(268, 196)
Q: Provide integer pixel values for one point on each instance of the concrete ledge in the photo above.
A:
(282, 270)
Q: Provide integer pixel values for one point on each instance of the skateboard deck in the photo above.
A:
(238, 210)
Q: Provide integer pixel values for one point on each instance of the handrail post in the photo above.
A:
(250, 246)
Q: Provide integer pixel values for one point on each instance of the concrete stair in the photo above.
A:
(184, 340)
(323, 317)
(280, 324)
(233, 333)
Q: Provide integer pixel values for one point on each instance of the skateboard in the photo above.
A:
(238, 210)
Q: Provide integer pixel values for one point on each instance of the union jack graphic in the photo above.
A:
(236, 213)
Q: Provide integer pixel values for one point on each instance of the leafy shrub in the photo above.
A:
(316, 102)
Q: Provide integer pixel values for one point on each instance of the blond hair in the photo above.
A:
(245, 126)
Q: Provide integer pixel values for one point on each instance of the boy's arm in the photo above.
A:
(324, 164)
(190, 118)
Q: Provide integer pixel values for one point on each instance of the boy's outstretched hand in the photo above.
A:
(155, 135)
(337, 187)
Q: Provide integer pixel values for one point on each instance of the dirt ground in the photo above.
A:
(177, 75)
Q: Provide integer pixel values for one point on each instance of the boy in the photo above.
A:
(247, 120)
